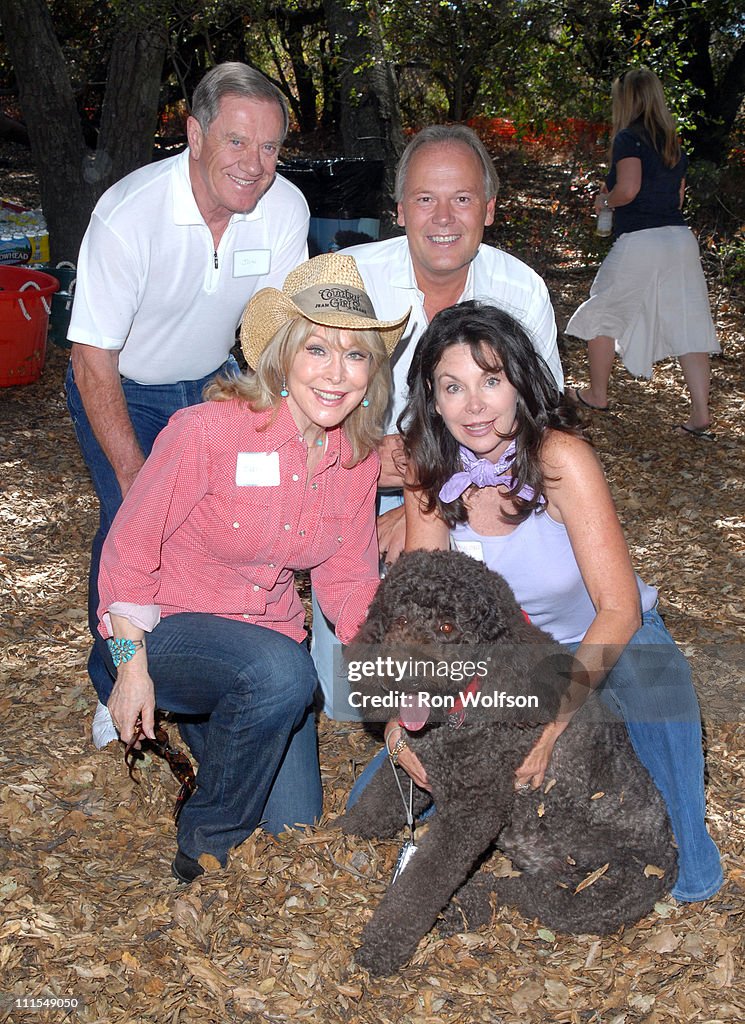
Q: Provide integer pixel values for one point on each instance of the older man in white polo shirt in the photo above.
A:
(172, 254)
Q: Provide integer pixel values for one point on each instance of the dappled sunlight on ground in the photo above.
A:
(87, 906)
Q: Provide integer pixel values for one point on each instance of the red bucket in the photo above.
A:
(24, 317)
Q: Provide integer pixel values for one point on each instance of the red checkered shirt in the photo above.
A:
(188, 538)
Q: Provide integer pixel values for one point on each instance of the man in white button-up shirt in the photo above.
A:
(446, 189)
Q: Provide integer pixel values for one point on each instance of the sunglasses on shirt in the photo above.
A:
(176, 760)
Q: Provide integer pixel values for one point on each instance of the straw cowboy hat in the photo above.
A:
(327, 290)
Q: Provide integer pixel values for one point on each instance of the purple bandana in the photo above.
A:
(482, 473)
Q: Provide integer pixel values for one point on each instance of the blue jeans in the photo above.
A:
(150, 407)
(246, 691)
(651, 687)
(327, 653)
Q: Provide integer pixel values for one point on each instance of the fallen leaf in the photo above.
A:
(643, 1002)
(723, 974)
(663, 909)
(663, 941)
(591, 878)
(94, 971)
(130, 962)
(526, 995)
(650, 869)
(209, 863)
(557, 992)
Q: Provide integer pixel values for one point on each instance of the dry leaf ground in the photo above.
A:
(89, 910)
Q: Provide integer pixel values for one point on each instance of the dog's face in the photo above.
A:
(449, 613)
(441, 597)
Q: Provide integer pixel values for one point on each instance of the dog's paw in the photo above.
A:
(470, 908)
(379, 959)
(456, 919)
(384, 949)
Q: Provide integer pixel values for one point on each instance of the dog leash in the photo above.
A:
(409, 847)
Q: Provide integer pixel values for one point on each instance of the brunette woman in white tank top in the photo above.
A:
(498, 466)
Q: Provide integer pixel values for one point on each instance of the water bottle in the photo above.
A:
(30, 237)
(42, 236)
(604, 226)
(14, 248)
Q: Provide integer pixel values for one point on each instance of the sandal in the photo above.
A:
(702, 432)
(579, 400)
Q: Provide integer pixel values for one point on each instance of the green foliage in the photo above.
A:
(533, 61)
(731, 255)
(83, 30)
(450, 44)
(541, 60)
(715, 204)
(575, 50)
(695, 47)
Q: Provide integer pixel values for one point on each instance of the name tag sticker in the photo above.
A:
(257, 469)
(251, 262)
(472, 548)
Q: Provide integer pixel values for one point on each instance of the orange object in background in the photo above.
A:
(25, 304)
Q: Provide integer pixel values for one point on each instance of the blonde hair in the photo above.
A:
(261, 388)
(637, 96)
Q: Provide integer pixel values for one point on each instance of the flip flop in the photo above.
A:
(578, 399)
(702, 432)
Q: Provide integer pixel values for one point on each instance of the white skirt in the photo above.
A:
(650, 296)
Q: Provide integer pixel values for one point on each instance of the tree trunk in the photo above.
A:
(129, 115)
(291, 28)
(306, 90)
(331, 108)
(54, 129)
(713, 140)
(715, 107)
(71, 176)
(370, 114)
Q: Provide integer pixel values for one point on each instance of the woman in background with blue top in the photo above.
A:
(497, 466)
(649, 299)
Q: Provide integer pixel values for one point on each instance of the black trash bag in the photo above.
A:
(344, 196)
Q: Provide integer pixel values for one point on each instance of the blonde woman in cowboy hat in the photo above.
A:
(276, 472)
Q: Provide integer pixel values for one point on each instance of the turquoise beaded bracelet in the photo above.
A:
(123, 650)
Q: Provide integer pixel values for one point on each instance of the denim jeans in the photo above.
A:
(150, 407)
(327, 653)
(651, 687)
(246, 691)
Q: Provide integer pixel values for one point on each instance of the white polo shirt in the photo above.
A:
(150, 284)
(493, 276)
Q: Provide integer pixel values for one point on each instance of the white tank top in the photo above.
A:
(537, 561)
